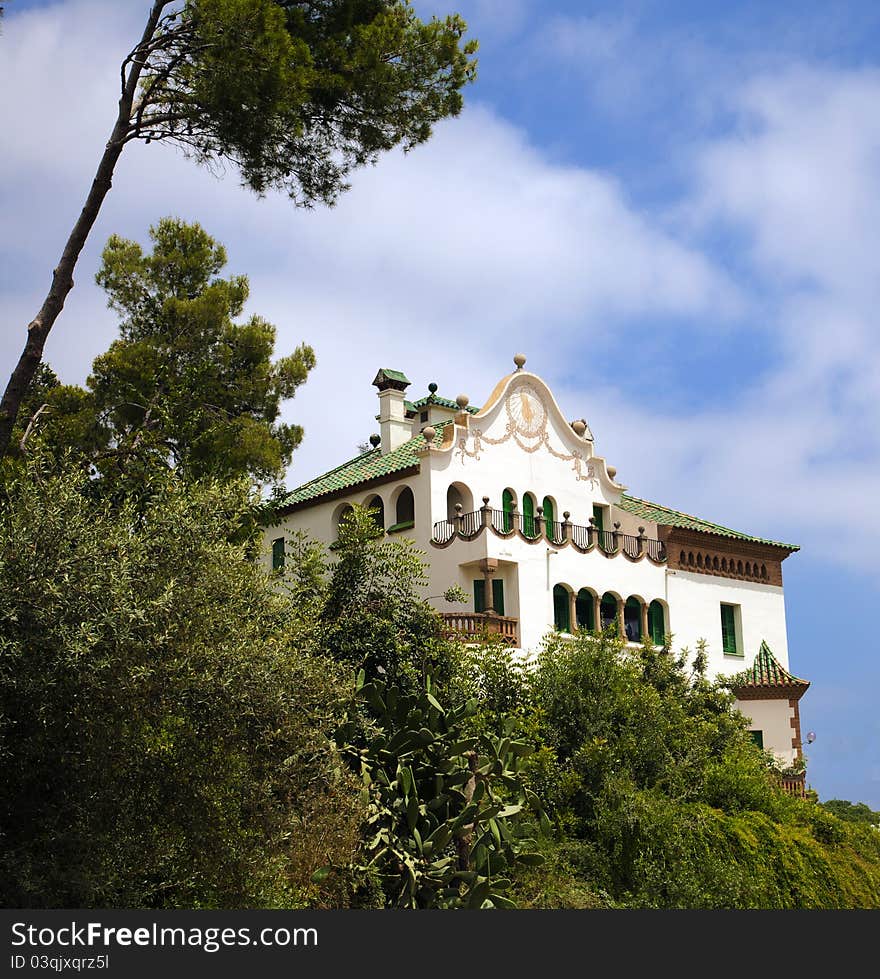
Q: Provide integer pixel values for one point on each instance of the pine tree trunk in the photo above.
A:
(62, 278)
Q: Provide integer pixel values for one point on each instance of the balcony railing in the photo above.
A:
(795, 785)
(476, 625)
(562, 533)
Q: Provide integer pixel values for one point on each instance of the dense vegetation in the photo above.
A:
(181, 728)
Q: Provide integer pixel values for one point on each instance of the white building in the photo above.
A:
(512, 503)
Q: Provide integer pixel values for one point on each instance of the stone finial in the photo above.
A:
(375, 440)
(617, 525)
(641, 531)
(462, 401)
(485, 501)
(519, 360)
(432, 387)
(458, 509)
(566, 515)
(429, 432)
(579, 427)
(612, 472)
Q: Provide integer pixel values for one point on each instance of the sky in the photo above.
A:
(672, 208)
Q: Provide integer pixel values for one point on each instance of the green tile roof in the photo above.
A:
(395, 375)
(435, 399)
(363, 468)
(675, 518)
(766, 671)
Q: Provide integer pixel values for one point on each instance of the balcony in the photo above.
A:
(475, 626)
(469, 526)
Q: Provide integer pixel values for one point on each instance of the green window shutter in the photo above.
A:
(728, 629)
(528, 510)
(758, 738)
(549, 517)
(584, 610)
(507, 507)
(479, 595)
(498, 595)
(278, 554)
(561, 609)
(599, 519)
(656, 625)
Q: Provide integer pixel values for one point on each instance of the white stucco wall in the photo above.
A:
(773, 718)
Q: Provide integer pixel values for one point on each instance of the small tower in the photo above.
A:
(393, 425)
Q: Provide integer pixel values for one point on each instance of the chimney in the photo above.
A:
(394, 427)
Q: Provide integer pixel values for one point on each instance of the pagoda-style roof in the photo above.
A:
(767, 679)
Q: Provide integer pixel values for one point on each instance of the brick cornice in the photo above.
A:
(726, 557)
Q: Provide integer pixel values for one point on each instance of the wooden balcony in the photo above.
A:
(474, 626)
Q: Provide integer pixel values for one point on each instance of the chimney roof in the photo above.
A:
(396, 380)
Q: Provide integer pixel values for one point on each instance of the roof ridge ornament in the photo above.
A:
(520, 361)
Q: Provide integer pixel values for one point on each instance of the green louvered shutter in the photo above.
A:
(599, 521)
(498, 595)
(479, 595)
(656, 625)
(507, 507)
(728, 629)
(561, 609)
(584, 610)
(528, 516)
(758, 738)
(278, 554)
(549, 517)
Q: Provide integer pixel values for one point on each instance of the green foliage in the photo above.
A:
(296, 95)
(852, 812)
(661, 799)
(185, 386)
(162, 744)
(448, 814)
(374, 617)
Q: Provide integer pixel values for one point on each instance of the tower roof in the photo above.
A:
(767, 678)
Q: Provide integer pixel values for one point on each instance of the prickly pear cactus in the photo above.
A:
(449, 817)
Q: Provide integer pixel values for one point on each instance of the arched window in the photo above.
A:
(584, 610)
(561, 609)
(458, 493)
(632, 619)
(528, 519)
(341, 514)
(656, 623)
(375, 503)
(508, 505)
(549, 518)
(608, 610)
(404, 511)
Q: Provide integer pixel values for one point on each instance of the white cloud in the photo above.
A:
(440, 263)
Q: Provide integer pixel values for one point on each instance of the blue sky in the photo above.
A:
(672, 208)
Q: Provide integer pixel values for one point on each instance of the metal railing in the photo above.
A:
(502, 521)
(468, 525)
(555, 531)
